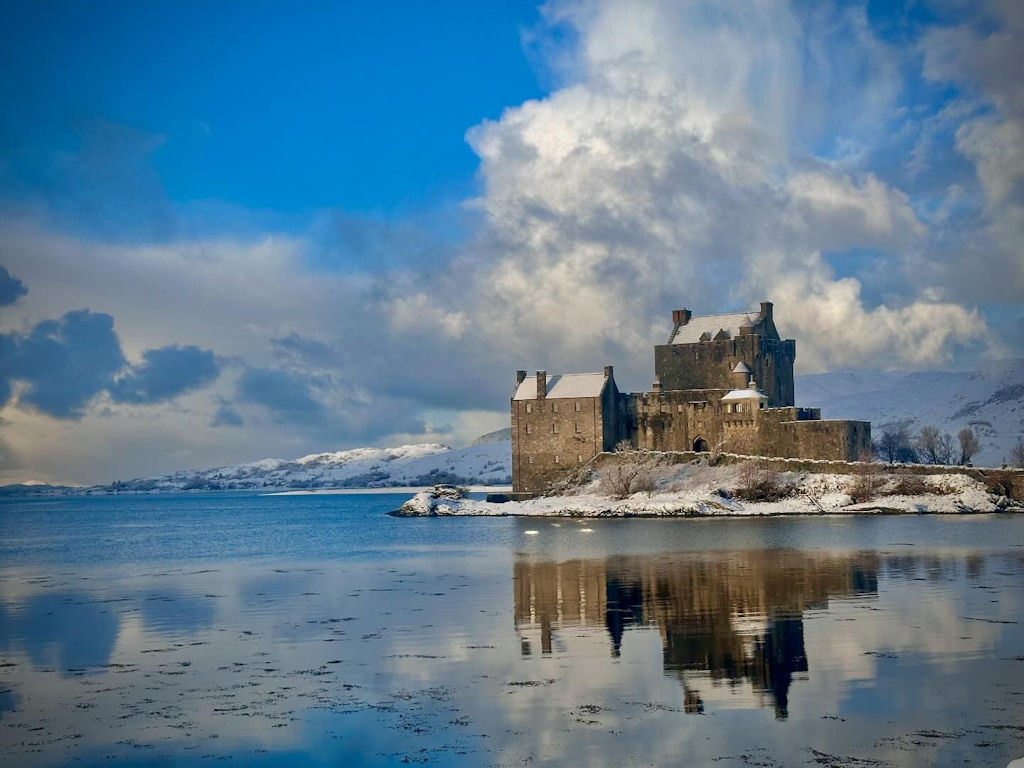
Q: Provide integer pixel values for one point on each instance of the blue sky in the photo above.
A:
(268, 106)
(235, 230)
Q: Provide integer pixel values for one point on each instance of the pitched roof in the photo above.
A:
(711, 325)
(744, 394)
(741, 367)
(562, 385)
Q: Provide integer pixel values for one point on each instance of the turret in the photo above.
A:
(741, 376)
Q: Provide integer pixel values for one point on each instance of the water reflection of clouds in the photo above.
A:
(577, 660)
(173, 612)
(69, 631)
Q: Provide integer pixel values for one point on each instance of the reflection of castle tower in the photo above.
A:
(730, 617)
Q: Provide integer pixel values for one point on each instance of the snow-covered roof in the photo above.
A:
(562, 385)
(744, 394)
(711, 324)
(741, 367)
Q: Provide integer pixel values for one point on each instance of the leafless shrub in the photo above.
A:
(571, 483)
(909, 485)
(866, 486)
(943, 489)
(644, 483)
(630, 474)
(715, 454)
(759, 482)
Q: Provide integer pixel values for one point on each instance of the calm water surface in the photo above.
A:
(280, 631)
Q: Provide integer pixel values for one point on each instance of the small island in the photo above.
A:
(650, 484)
(718, 434)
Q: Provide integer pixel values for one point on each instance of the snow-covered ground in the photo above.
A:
(700, 490)
(990, 400)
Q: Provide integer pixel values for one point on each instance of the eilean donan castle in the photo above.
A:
(722, 382)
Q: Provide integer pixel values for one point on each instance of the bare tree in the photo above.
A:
(1017, 453)
(946, 450)
(934, 447)
(894, 445)
(968, 444)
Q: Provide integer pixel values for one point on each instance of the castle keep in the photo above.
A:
(722, 382)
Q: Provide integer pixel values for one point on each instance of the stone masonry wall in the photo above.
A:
(708, 365)
(550, 438)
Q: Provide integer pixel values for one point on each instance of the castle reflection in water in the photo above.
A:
(734, 616)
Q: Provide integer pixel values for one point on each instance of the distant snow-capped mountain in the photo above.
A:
(990, 400)
(407, 465)
(486, 463)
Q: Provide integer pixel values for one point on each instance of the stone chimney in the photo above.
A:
(681, 316)
(520, 377)
(656, 386)
(766, 310)
(608, 371)
(542, 384)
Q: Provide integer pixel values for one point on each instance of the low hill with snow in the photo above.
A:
(487, 463)
(990, 400)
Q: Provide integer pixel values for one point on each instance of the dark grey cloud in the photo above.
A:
(288, 396)
(11, 288)
(166, 373)
(226, 416)
(64, 363)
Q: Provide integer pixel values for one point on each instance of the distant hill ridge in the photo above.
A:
(990, 400)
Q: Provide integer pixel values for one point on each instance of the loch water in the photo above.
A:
(315, 630)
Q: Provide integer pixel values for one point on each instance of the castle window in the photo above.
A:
(762, 406)
(577, 428)
(554, 407)
(577, 406)
(529, 429)
(554, 428)
(529, 407)
(529, 460)
(679, 409)
(556, 459)
(579, 458)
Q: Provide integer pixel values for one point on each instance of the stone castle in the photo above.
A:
(721, 382)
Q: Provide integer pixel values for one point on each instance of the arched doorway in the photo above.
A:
(700, 445)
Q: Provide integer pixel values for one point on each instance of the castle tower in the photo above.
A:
(741, 375)
(704, 351)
